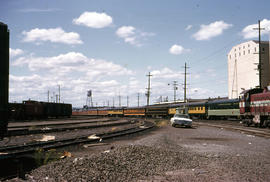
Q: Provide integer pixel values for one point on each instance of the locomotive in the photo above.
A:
(255, 107)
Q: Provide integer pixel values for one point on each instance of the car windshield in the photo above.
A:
(181, 116)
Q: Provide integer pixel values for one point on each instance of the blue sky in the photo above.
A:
(109, 46)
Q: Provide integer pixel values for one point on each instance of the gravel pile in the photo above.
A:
(126, 163)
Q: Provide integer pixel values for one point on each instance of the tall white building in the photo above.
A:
(243, 71)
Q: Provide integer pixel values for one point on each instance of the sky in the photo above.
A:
(109, 46)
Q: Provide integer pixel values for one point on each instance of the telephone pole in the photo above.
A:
(48, 96)
(138, 99)
(119, 100)
(185, 83)
(260, 57)
(174, 90)
(127, 101)
(59, 93)
(148, 89)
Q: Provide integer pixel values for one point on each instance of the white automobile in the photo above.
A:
(181, 120)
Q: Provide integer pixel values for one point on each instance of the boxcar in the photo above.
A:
(16, 111)
(33, 109)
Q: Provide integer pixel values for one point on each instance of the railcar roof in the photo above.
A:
(223, 101)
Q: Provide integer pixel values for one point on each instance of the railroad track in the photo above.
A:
(37, 128)
(252, 131)
(15, 151)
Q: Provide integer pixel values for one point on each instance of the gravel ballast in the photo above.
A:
(124, 163)
(167, 154)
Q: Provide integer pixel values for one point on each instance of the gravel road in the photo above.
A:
(167, 154)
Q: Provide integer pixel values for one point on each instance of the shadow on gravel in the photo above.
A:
(188, 128)
(210, 139)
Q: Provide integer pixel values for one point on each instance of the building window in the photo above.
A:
(230, 57)
(249, 51)
(248, 45)
(243, 47)
(254, 49)
(263, 49)
(234, 50)
(239, 54)
(239, 48)
(235, 55)
(244, 53)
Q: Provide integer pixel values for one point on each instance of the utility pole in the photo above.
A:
(185, 83)
(53, 97)
(127, 101)
(138, 99)
(148, 89)
(119, 100)
(174, 90)
(48, 96)
(59, 93)
(113, 101)
(260, 57)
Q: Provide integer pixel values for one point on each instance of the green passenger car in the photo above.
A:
(228, 108)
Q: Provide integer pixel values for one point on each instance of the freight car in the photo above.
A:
(38, 110)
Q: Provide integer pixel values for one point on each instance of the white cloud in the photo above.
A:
(125, 31)
(132, 36)
(56, 35)
(248, 32)
(188, 27)
(214, 29)
(94, 20)
(178, 49)
(76, 74)
(72, 62)
(166, 73)
(15, 52)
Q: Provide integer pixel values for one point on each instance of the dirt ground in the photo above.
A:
(166, 154)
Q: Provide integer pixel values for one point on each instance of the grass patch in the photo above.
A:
(161, 123)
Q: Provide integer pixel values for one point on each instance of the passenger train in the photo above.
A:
(253, 107)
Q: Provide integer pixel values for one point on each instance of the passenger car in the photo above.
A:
(181, 120)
